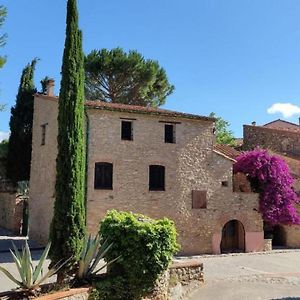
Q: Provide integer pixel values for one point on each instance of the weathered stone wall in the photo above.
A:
(186, 271)
(178, 281)
(11, 211)
(282, 141)
(43, 168)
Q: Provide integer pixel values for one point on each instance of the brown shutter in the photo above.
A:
(199, 199)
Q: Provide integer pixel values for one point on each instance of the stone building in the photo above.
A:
(281, 138)
(151, 161)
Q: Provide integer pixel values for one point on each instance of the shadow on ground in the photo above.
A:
(287, 298)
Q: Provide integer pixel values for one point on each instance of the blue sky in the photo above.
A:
(236, 58)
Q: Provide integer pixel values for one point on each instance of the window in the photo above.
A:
(169, 133)
(103, 176)
(225, 183)
(44, 127)
(126, 131)
(198, 199)
(156, 178)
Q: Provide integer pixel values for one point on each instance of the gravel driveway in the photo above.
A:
(273, 275)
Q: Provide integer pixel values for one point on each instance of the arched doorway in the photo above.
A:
(233, 237)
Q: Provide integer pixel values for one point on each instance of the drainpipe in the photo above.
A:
(87, 140)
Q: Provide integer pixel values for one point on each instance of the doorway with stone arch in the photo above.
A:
(233, 237)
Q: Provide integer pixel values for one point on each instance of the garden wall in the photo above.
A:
(11, 208)
(181, 278)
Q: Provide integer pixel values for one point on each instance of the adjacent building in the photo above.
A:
(281, 138)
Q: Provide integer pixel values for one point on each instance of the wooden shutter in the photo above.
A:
(126, 130)
(103, 176)
(169, 133)
(199, 199)
(156, 178)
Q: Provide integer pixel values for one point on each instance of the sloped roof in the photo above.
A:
(101, 105)
(143, 110)
(226, 151)
(282, 125)
(272, 123)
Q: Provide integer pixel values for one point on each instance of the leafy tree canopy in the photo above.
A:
(224, 136)
(270, 176)
(120, 77)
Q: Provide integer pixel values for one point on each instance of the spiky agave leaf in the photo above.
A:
(39, 268)
(91, 255)
(11, 277)
(29, 275)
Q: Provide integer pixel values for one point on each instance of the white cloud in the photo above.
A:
(3, 135)
(286, 109)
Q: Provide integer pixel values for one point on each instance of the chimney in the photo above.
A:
(253, 123)
(50, 87)
(299, 121)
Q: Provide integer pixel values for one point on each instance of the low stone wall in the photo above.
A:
(186, 271)
(11, 211)
(178, 281)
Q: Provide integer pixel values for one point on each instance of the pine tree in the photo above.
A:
(19, 147)
(68, 223)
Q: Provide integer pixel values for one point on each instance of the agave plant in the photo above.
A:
(91, 255)
(31, 277)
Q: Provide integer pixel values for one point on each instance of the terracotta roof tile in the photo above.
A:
(227, 151)
(134, 109)
(143, 110)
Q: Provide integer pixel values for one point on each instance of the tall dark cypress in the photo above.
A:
(68, 223)
(19, 146)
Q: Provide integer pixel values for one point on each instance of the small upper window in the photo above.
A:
(44, 127)
(126, 131)
(156, 178)
(169, 133)
(103, 176)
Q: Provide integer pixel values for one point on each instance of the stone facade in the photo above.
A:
(191, 164)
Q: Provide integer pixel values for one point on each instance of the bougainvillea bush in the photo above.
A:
(270, 177)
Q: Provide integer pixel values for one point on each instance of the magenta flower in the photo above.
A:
(270, 176)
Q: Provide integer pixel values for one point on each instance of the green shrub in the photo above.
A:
(112, 288)
(146, 247)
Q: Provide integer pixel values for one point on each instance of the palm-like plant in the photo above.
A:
(31, 277)
(91, 255)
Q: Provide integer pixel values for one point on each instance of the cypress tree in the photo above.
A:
(19, 147)
(68, 223)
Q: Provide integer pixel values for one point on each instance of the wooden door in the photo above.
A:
(232, 237)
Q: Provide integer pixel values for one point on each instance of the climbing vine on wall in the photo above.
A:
(270, 177)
